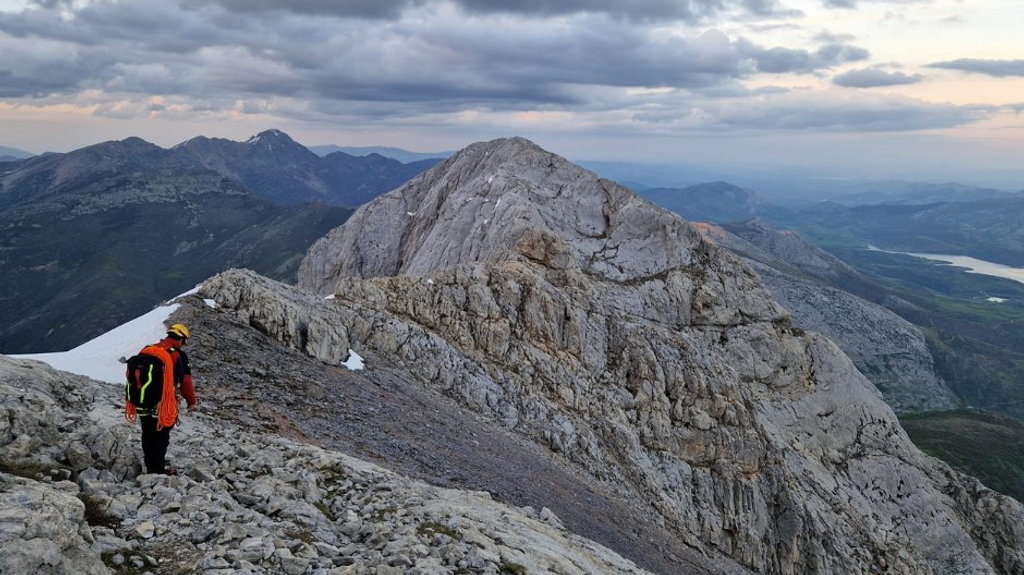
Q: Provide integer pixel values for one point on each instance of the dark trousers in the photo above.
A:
(154, 444)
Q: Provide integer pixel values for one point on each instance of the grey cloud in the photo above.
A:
(830, 38)
(48, 68)
(831, 54)
(371, 9)
(13, 86)
(997, 68)
(762, 7)
(874, 78)
(147, 24)
(781, 60)
(204, 57)
(634, 10)
(850, 4)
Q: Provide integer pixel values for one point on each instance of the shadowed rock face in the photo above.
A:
(604, 328)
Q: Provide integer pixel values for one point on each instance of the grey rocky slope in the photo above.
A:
(886, 348)
(72, 501)
(394, 417)
(580, 315)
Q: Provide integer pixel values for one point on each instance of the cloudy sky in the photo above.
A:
(875, 84)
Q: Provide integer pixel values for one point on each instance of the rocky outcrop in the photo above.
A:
(586, 317)
(249, 502)
(886, 348)
(43, 529)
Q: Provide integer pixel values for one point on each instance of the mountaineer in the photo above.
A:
(152, 378)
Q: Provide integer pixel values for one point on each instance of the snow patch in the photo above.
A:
(490, 179)
(211, 303)
(410, 213)
(98, 358)
(355, 362)
(996, 299)
(330, 297)
(430, 281)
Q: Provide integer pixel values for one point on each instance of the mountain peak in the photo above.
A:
(127, 145)
(479, 204)
(515, 150)
(272, 135)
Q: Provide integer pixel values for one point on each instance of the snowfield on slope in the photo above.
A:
(99, 358)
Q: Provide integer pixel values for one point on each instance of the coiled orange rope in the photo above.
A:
(167, 409)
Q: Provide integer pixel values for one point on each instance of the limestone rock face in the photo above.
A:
(41, 530)
(888, 349)
(604, 327)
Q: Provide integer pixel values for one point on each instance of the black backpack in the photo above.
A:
(145, 380)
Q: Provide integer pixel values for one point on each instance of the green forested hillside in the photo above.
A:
(987, 446)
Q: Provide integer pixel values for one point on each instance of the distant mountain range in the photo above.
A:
(399, 154)
(278, 168)
(718, 202)
(81, 257)
(903, 192)
(798, 187)
(123, 224)
(13, 154)
(900, 216)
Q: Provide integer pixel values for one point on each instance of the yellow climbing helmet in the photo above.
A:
(178, 330)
